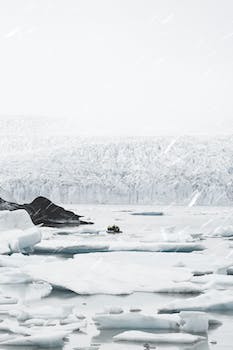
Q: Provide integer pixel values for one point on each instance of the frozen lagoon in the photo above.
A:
(205, 226)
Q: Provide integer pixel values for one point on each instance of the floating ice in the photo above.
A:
(12, 275)
(11, 220)
(13, 327)
(23, 313)
(210, 301)
(174, 338)
(215, 281)
(45, 339)
(137, 321)
(87, 246)
(194, 321)
(112, 273)
(17, 232)
(148, 213)
(7, 300)
(223, 231)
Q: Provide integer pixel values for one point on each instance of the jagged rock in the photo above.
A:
(44, 212)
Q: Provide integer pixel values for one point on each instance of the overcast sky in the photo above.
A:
(137, 67)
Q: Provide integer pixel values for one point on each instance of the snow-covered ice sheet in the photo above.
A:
(174, 338)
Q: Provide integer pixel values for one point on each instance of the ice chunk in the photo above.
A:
(24, 313)
(223, 231)
(7, 300)
(20, 260)
(11, 220)
(174, 338)
(11, 275)
(13, 327)
(137, 321)
(17, 232)
(35, 322)
(210, 301)
(215, 281)
(44, 339)
(194, 321)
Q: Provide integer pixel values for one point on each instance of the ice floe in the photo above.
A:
(12, 275)
(194, 321)
(148, 213)
(215, 281)
(44, 339)
(174, 338)
(4, 299)
(112, 273)
(210, 301)
(23, 313)
(87, 246)
(137, 321)
(223, 231)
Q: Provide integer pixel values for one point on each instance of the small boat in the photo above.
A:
(114, 229)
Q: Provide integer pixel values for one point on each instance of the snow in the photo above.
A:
(137, 321)
(17, 232)
(93, 274)
(174, 338)
(210, 301)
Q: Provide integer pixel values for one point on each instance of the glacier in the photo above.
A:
(58, 164)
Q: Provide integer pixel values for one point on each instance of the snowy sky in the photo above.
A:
(136, 67)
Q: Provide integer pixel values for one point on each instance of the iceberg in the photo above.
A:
(17, 232)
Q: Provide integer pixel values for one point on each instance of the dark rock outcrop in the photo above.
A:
(45, 213)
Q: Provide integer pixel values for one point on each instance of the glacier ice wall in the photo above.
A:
(39, 158)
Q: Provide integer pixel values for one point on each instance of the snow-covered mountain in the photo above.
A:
(48, 158)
